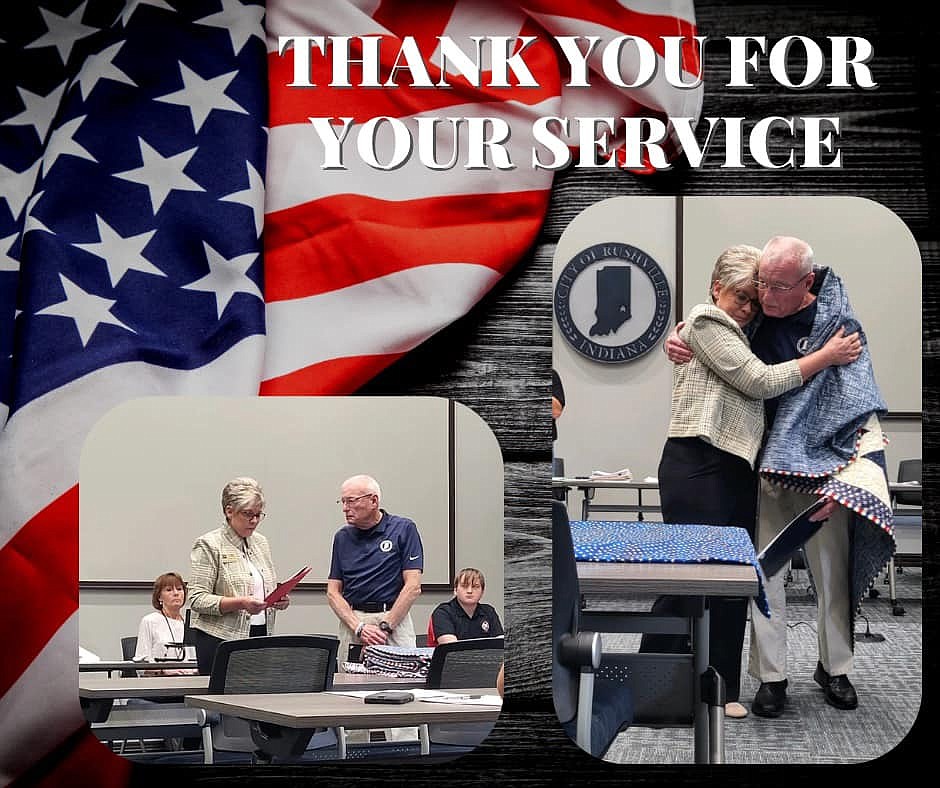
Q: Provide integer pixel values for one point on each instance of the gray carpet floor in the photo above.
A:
(887, 677)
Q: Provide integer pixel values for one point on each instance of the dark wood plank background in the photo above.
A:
(497, 360)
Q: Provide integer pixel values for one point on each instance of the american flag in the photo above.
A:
(144, 146)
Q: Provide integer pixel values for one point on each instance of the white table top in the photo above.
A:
(324, 709)
(128, 664)
(100, 688)
(587, 481)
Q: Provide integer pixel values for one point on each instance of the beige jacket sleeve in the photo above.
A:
(719, 343)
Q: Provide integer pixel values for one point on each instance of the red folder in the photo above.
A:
(283, 589)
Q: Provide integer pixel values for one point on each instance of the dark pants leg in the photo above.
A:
(702, 485)
(206, 646)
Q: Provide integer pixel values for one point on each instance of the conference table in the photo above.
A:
(297, 711)
(637, 570)
(588, 485)
(113, 666)
(97, 694)
(164, 720)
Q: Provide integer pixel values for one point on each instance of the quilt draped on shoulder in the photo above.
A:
(826, 440)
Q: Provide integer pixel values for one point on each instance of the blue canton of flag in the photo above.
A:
(132, 155)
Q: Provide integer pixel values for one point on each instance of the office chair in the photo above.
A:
(128, 649)
(458, 665)
(592, 704)
(272, 664)
(907, 506)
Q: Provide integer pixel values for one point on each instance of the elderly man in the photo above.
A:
(375, 572)
(823, 440)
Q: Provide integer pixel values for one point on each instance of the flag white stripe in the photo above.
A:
(296, 153)
(681, 9)
(42, 704)
(468, 18)
(389, 314)
(42, 441)
(322, 18)
(657, 94)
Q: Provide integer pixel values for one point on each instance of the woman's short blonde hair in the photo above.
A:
(166, 579)
(735, 266)
(240, 493)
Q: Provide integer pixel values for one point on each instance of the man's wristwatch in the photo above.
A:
(384, 626)
(360, 628)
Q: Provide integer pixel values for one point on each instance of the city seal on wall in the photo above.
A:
(612, 302)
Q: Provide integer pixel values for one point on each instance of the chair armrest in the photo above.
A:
(582, 649)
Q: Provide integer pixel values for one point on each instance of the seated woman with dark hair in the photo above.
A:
(164, 627)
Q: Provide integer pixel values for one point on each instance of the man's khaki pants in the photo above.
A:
(827, 554)
(403, 635)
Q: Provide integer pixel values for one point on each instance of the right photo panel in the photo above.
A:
(737, 386)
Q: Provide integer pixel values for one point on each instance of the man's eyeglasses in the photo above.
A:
(760, 284)
(259, 516)
(348, 501)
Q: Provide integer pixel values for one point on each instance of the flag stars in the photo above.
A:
(62, 141)
(161, 174)
(15, 187)
(133, 5)
(201, 96)
(241, 22)
(253, 197)
(87, 310)
(63, 32)
(39, 111)
(7, 261)
(121, 253)
(101, 66)
(226, 277)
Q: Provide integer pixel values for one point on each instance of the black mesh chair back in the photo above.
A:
(128, 649)
(189, 637)
(466, 663)
(909, 471)
(273, 664)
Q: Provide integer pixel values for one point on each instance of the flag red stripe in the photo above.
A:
(43, 559)
(336, 376)
(610, 13)
(78, 761)
(344, 240)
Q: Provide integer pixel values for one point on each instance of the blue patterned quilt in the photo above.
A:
(614, 541)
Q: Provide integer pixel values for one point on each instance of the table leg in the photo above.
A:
(586, 502)
(700, 662)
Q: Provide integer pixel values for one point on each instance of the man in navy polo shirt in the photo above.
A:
(465, 616)
(375, 572)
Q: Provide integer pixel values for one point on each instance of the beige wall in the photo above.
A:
(107, 615)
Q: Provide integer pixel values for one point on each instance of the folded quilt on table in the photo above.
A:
(398, 661)
(826, 440)
(616, 541)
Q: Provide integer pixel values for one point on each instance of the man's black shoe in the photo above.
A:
(770, 699)
(839, 690)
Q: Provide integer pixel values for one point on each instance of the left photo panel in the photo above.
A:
(290, 580)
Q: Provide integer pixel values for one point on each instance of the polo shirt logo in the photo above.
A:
(386, 546)
(485, 626)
